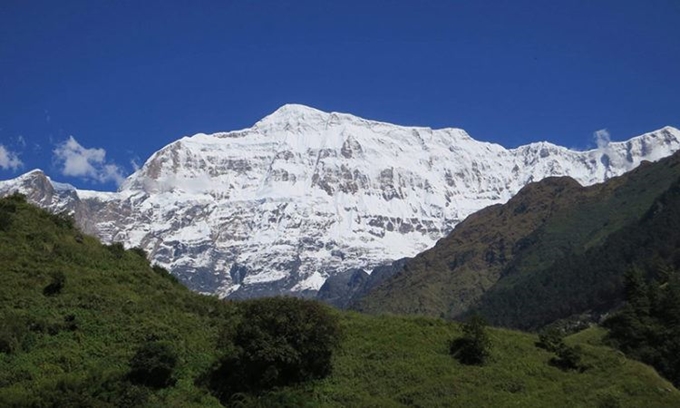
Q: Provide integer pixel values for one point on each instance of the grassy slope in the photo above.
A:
(403, 361)
(118, 301)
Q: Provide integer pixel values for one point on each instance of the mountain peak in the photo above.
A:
(295, 109)
(33, 173)
(292, 115)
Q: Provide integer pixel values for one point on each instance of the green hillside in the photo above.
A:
(404, 361)
(80, 340)
(501, 258)
(74, 314)
(592, 280)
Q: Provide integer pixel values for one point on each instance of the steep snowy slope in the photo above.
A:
(304, 194)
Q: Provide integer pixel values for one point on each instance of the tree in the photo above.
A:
(568, 358)
(474, 348)
(153, 365)
(12, 332)
(636, 290)
(279, 341)
(647, 327)
(550, 339)
(8, 206)
(57, 282)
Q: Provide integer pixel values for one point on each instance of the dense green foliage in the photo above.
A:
(566, 357)
(115, 316)
(474, 348)
(153, 365)
(73, 345)
(57, 282)
(569, 358)
(278, 342)
(647, 328)
(551, 339)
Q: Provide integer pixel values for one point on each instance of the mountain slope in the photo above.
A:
(73, 348)
(305, 194)
(74, 345)
(592, 281)
(496, 252)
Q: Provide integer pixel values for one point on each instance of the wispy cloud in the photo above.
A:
(134, 162)
(9, 160)
(88, 163)
(602, 138)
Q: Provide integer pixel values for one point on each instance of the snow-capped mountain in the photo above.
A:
(304, 194)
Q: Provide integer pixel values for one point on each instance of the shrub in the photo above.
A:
(5, 220)
(474, 348)
(153, 365)
(12, 331)
(116, 249)
(159, 270)
(7, 208)
(58, 280)
(279, 341)
(550, 339)
(139, 251)
(63, 220)
(568, 358)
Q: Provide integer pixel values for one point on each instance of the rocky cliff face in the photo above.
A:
(305, 194)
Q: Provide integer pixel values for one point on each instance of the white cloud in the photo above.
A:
(9, 160)
(602, 138)
(134, 162)
(78, 161)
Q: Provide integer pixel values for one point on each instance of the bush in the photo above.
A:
(550, 339)
(5, 220)
(116, 249)
(279, 341)
(568, 358)
(159, 270)
(12, 331)
(56, 284)
(139, 251)
(153, 365)
(63, 220)
(474, 348)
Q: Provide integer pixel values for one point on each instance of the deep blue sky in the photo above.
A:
(131, 76)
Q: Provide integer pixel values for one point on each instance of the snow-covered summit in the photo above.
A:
(292, 115)
(304, 194)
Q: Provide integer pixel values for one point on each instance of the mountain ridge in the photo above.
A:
(539, 245)
(304, 194)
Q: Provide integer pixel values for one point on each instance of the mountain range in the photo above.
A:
(304, 194)
(555, 250)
